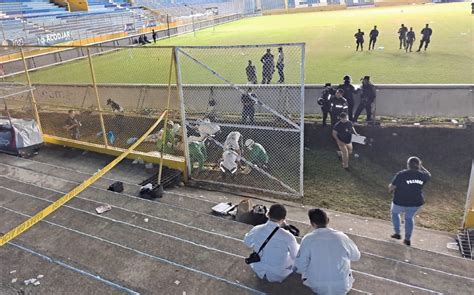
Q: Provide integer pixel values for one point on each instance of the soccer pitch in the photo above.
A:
(330, 48)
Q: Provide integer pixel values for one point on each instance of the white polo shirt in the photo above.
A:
(278, 256)
(324, 260)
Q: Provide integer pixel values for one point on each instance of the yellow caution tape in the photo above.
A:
(77, 190)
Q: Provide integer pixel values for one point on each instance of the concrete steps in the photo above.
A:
(181, 230)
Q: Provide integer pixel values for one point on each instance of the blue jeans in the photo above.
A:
(410, 212)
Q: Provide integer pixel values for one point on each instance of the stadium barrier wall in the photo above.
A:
(392, 100)
(305, 9)
(44, 57)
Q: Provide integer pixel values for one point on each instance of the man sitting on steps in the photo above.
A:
(278, 256)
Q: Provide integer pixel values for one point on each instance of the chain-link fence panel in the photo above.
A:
(243, 109)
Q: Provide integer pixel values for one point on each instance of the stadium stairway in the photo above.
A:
(175, 245)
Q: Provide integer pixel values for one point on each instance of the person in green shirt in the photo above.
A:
(170, 139)
(197, 153)
(256, 153)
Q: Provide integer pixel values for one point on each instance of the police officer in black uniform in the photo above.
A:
(338, 105)
(268, 67)
(349, 91)
(324, 102)
(373, 37)
(359, 40)
(426, 35)
(402, 36)
(367, 99)
(410, 39)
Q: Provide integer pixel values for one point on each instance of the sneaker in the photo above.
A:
(407, 242)
(396, 236)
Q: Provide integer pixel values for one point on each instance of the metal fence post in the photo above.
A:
(33, 99)
(102, 125)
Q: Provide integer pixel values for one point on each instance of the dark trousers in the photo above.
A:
(426, 42)
(409, 45)
(368, 109)
(280, 68)
(361, 44)
(267, 74)
(248, 113)
(372, 42)
(350, 108)
(403, 42)
(252, 79)
(325, 110)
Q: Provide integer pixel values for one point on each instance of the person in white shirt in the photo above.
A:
(325, 256)
(278, 256)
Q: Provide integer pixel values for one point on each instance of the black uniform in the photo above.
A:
(251, 74)
(268, 67)
(426, 35)
(349, 92)
(359, 40)
(367, 99)
(338, 105)
(410, 39)
(248, 109)
(373, 37)
(402, 35)
(325, 103)
(153, 35)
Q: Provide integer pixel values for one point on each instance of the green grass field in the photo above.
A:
(330, 48)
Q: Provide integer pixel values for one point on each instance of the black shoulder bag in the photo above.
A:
(254, 257)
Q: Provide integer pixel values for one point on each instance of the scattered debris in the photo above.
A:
(394, 134)
(416, 124)
(177, 282)
(146, 219)
(406, 260)
(184, 292)
(13, 271)
(149, 165)
(14, 280)
(132, 140)
(381, 48)
(103, 209)
(37, 283)
(356, 155)
(30, 281)
(452, 246)
(350, 228)
(40, 276)
(394, 121)
(454, 121)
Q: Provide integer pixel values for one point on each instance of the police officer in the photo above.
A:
(367, 99)
(251, 73)
(373, 37)
(349, 91)
(248, 106)
(410, 39)
(338, 105)
(426, 34)
(359, 40)
(324, 102)
(402, 36)
(268, 67)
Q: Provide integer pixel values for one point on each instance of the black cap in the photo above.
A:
(346, 78)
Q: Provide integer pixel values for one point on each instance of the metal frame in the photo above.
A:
(297, 128)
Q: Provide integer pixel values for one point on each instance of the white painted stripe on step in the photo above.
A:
(128, 210)
(366, 253)
(158, 258)
(128, 224)
(362, 292)
(75, 269)
(397, 282)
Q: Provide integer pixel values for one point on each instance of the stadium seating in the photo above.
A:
(22, 21)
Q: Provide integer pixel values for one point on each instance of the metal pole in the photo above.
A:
(94, 83)
(183, 114)
(168, 24)
(302, 120)
(33, 99)
(194, 30)
(163, 140)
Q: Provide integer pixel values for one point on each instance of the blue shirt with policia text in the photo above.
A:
(409, 191)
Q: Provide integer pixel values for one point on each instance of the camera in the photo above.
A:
(254, 257)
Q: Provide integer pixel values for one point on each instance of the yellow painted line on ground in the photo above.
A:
(77, 190)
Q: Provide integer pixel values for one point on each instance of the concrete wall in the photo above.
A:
(392, 100)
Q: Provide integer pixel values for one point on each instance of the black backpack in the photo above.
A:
(116, 187)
